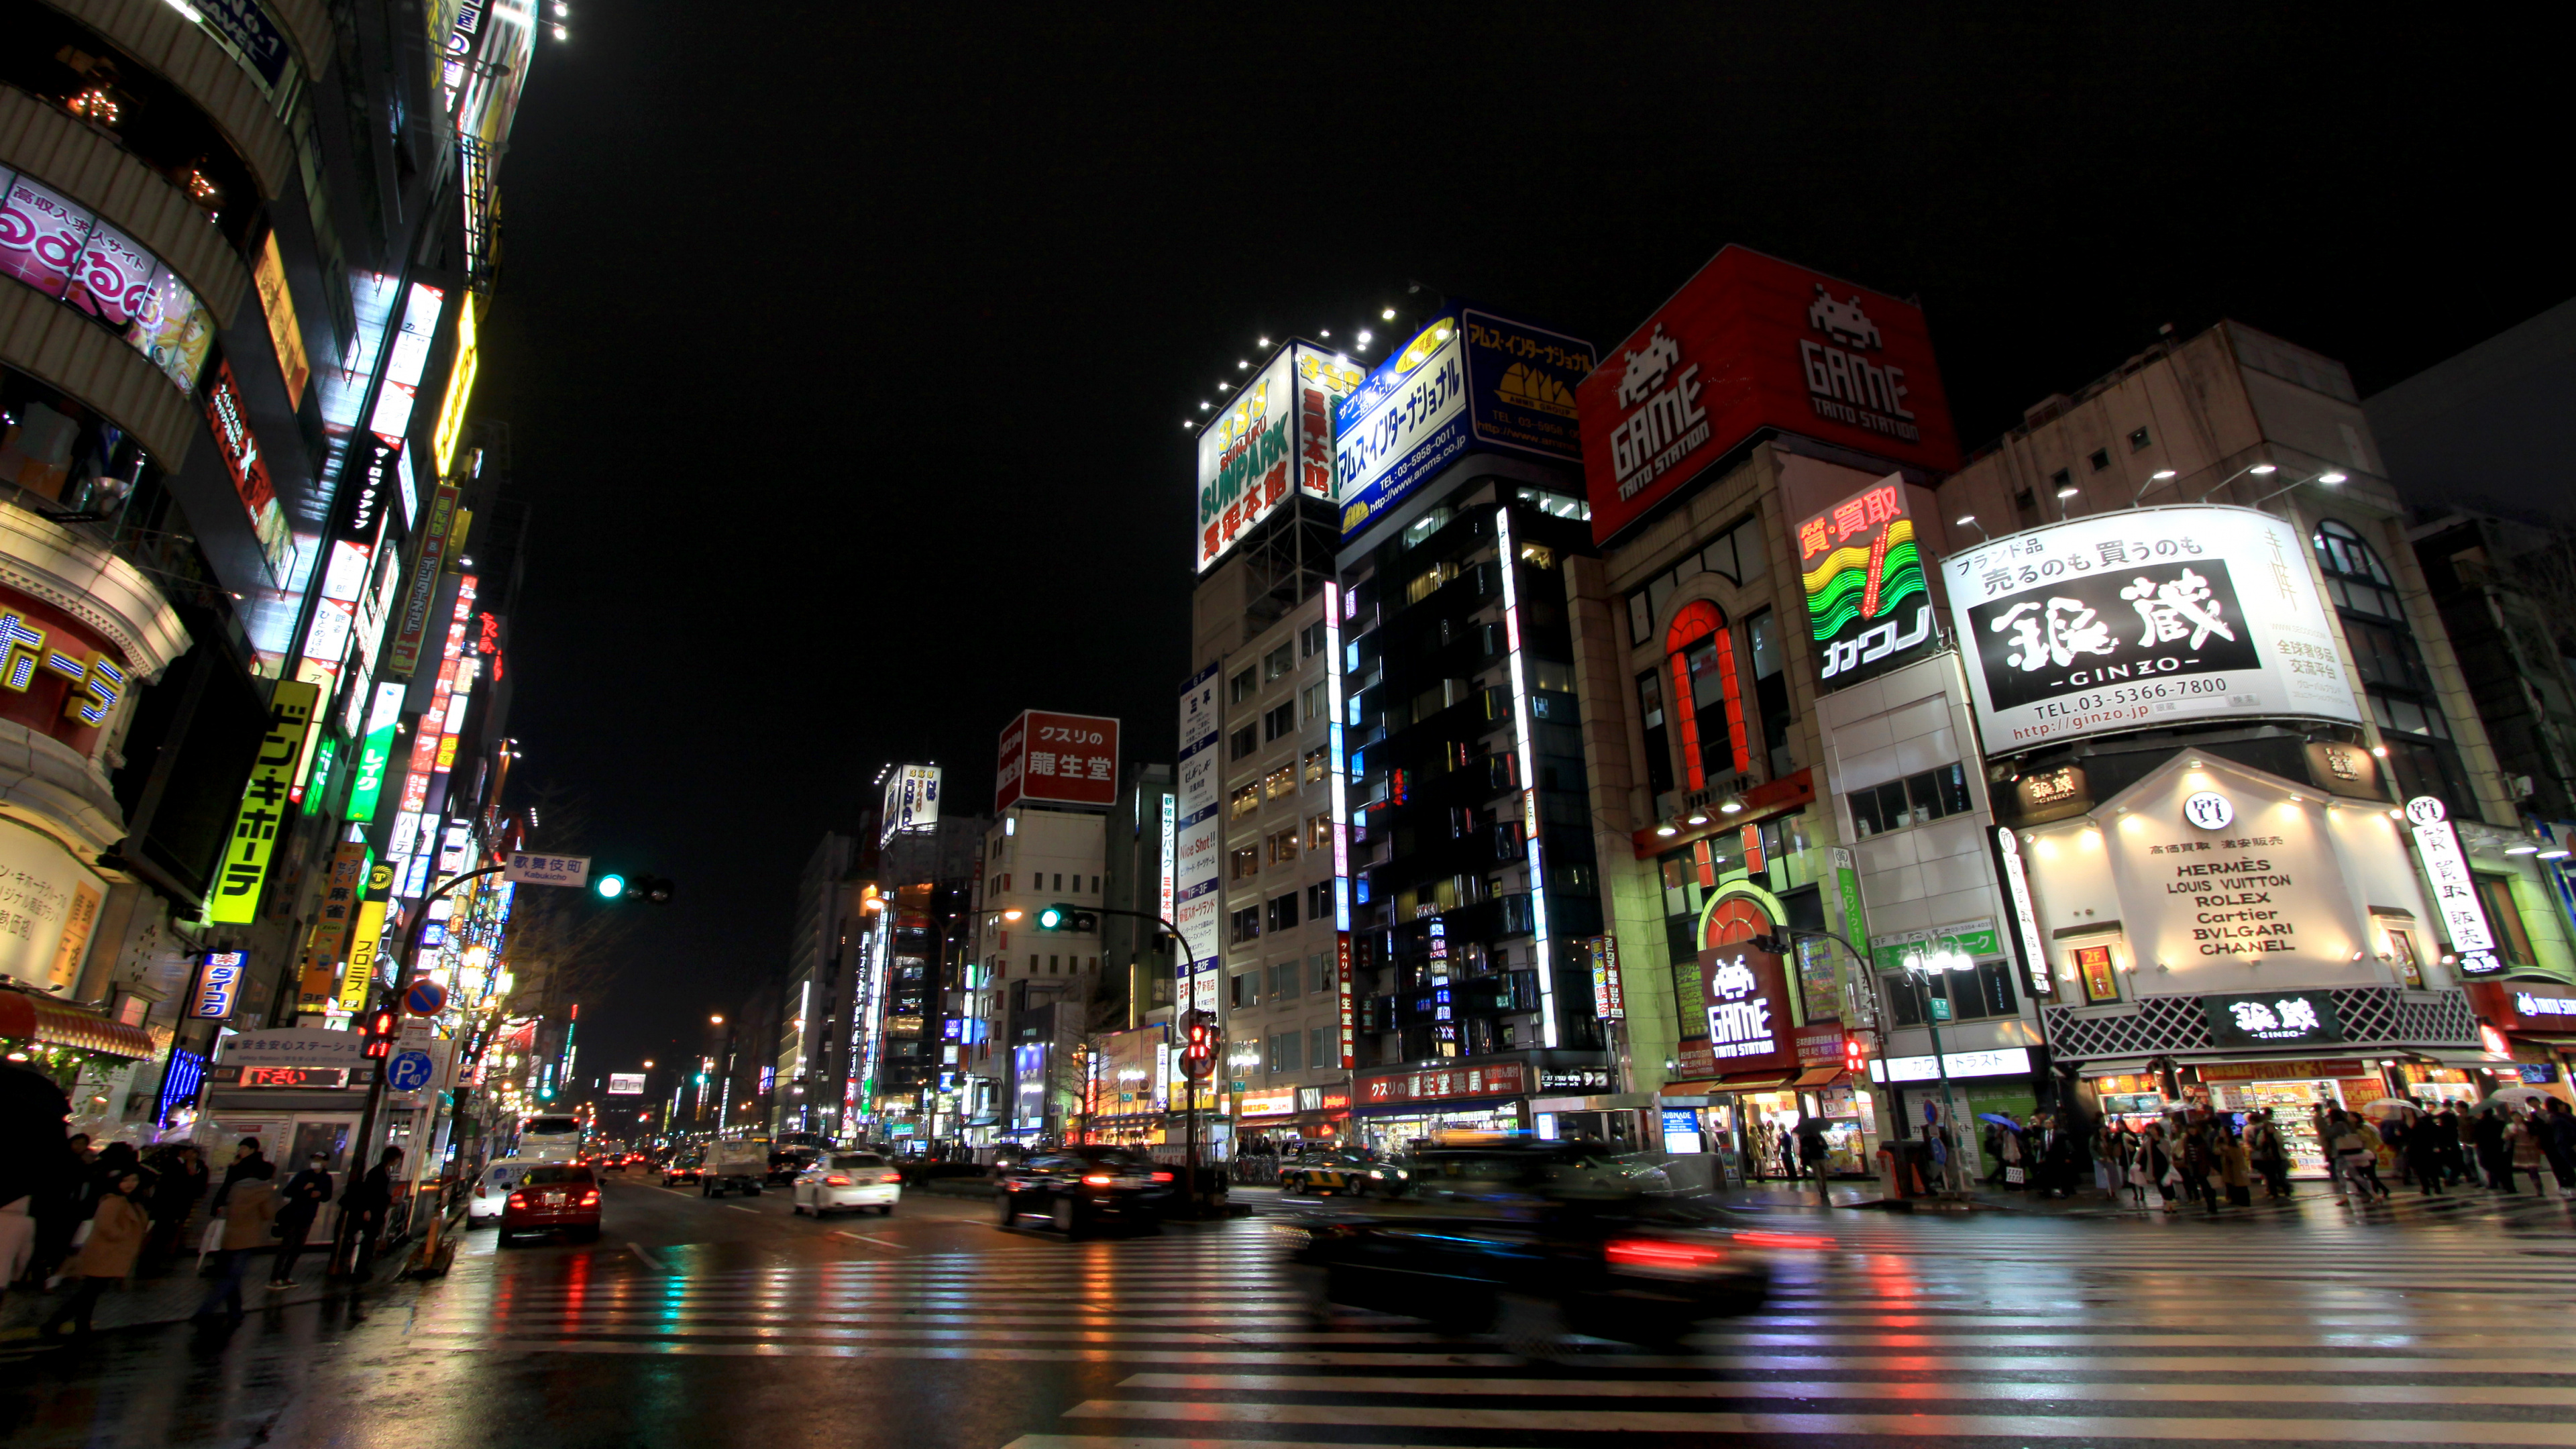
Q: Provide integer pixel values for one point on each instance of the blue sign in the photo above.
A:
(409, 1071)
(218, 984)
(251, 32)
(1468, 382)
(424, 998)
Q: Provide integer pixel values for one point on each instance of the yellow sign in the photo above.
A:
(264, 806)
(460, 388)
(331, 929)
(361, 974)
(278, 305)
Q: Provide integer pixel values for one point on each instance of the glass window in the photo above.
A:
(1281, 781)
(1241, 743)
(1240, 688)
(1914, 800)
(1246, 989)
(2340, 551)
(1319, 1052)
(1278, 662)
(1283, 980)
(1641, 618)
(1244, 801)
(1752, 558)
(1285, 1051)
(2504, 919)
(1314, 767)
(1247, 863)
(1659, 753)
(558, 1177)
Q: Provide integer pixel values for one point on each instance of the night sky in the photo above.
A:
(846, 355)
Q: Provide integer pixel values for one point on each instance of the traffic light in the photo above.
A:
(1062, 917)
(1855, 1057)
(382, 1025)
(1198, 1049)
(614, 887)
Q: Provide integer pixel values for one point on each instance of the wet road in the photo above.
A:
(701, 1323)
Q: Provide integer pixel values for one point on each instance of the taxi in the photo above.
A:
(1343, 1171)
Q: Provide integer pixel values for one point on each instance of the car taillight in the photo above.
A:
(1663, 1255)
(590, 1198)
(1784, 1240)
(1098, 1179)
(836, 1180)
(518, 1199)
(889, 1177)
(1162, 1177)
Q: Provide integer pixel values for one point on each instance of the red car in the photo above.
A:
(551, 1197)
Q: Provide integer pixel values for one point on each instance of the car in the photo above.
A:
(553, 1197)
(492, 1191)
(1080, 1189)
(1538, 1241)
(848, 1180)
(787, 1164)
(682, 1169)
(1346, 1170)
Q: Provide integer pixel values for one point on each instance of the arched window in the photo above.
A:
(2392, 671)
(2343, 553)
(1699, 659)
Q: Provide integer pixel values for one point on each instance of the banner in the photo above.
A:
(263, 805)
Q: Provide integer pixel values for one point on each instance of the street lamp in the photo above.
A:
(2329, 478)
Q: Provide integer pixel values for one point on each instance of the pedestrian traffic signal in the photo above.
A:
(1855, 1057)
(1062, 917)
(615, 887)
(1198, 1048)
(383, 1024)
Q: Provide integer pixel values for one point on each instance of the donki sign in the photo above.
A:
(1069, 759)
(1753, 343)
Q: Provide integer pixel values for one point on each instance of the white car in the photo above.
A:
(848, 1180)
(492, 1192)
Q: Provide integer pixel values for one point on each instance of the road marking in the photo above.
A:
(1948, 1389)
(2020, 1427)
(864, 1238)
(649, 1260)
(738, 1207)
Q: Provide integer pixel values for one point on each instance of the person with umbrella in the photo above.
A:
(2522, 1147)
(2424, 1154)
(2269, 1156)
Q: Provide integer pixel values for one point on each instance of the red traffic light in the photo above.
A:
(1855, 1057)
(382, 1025)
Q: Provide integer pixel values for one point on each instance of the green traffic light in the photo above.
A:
(610, 887)
(1051, 918)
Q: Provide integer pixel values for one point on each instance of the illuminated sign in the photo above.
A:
(31, 640)
(1868, 603)
(2025, 912)
(406, 362)
(911, 802)
(63, 250)
(1541, 947)
(1271, 439)
(263, 805)
(1195, 861)
(2144, 618)
(364, 941)
(1744, 1018)
(2291, 1018)
(1498, 1079)
(340, 893)
(631, 1084)
(1337, 789)
(375, 752)
(1609, 996)
(460, 388)
(2455, 891)
(1063, 758)
(219, 977)
(2530, 1005)
(1281, 1102)
(294, 1077)
(404, 655)
(277, 305)
(2000, 1062)
(239, 448)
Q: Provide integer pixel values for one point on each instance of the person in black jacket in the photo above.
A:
(2493, 1157)
(175, 1194)
(305, 1193)
(2424, 1153)
(240, 1167)
(369, 1200)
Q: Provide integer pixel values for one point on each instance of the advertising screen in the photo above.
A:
(626, 1084)
(1272, 438)
(911, 801)
(2142, 619)
(1469, 381)
(1752, 343)
(1867, 600)
(1068, 759)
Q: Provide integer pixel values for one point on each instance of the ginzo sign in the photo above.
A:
(1070, 759)
(1749, 344)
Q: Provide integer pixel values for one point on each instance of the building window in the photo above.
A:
(1699, 660)
(1314, 767)
(2418, 739)
(1977, 995)
(1241, 803)
(1319, 900)
(1914, 800)
(1659, 748)
(2504, 919)
(1246, 924)
(1278, 721)
(1318, 1050)
(1241, 743)
(1285, 1055)
(1770, 691)
(1310, 640)
(2138, 440)
(1278, 662)
(1422, 586)
(1326, 974)
(2100, 458)
(1283, 981)
(1240, 688)
(1319, 832)
(1317, 701)
(1280, 914)
(1245, 990)
(1281, 844)
(1246, 863)
(1281, 781)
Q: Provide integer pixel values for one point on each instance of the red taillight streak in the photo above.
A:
(1098, 1179)
(590, 1198)
(890, 1177)
(1652, 1253)
(1162, 1177)
(1761, 1239)
(836, 1180)
(518, 1200)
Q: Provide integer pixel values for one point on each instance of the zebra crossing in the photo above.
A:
(2020, 1331)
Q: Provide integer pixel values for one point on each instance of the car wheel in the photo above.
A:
(585, 1235)
(1010, 1209)
(795, 1209)
(501, 1239)
(1070, 1219)
(885, 1210)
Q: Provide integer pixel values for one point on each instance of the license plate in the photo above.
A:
(554, 1199)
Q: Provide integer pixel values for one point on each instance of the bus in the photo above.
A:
(549, 1139)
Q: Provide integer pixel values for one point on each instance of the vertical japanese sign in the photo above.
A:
(363, 945)
(218, 985)
(1195, 869)
(331, 929)
(1609, 993)
(375, 752)
(1336, 746)
(1868, 604)
(263, 805)
(2455, 891)
(404, 656)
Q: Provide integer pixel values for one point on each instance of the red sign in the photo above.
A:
(1821, 1045)
(1752, 342)
(58, 676)
(1069, 759)
(1441, 1084)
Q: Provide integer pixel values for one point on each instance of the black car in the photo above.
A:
(1536, 1241)
(1081, 1189)
(788, 1163)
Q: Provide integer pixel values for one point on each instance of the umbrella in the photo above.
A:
(2386, 1109)
(2517, 1099)
(1999, 1120)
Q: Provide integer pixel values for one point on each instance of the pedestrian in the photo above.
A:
(2495, 1158)
(2269, 1156)
(116, 1231)
(2235, 1169)
(2355, 1161)
(249, 1214)
(2559, 1141)
(2424, 1155)
(369, 1201)
(2451, 1133)
(2393, 1133)
(1813, 1149)
(240, 1167)
(63, 1203)
(176, 1190)
(298, 1203)
(2134, 1167)
(2200, 1166)
(2522, 1146)
(2057, 1164)
(2162, 1167)
(2008, 1155)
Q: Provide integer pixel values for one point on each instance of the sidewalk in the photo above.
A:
(172, 1296)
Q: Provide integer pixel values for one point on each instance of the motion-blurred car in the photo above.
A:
(685, 1168)
(848, 1180)
(1081, 1189)
(550, 1198)
(1538, 1241)
(786, 1164)
(1346, 1170)
(492, 1191)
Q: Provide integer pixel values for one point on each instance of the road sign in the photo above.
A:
(410, 1071)
(425, 998)
(1940, 1008)
(529, 868)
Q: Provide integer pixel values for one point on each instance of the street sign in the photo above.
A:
(410, 1071)
(529, 868)
(425, 998)
(1940, 1008)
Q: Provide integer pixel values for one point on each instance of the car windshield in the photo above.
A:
(861, 1159)
(558, 1176)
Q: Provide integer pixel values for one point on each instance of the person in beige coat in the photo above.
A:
(250, 1210)
(116, 1231)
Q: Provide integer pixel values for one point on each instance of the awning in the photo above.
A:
(1741, 1082)
(2114, 1067)
(1819, 1077)
(32, 1018)
(2467, 1059)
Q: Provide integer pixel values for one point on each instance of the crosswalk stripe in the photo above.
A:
(1947, 1389)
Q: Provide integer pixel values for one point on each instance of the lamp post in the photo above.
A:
(1922, 964)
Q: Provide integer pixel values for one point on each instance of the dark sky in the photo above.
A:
(846, 353)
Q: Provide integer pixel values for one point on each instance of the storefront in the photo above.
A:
(2536, 1024)
(1398, 1111)
(1983, 1083)
(90, 1057)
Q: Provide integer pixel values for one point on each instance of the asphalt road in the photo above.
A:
(729, 1322)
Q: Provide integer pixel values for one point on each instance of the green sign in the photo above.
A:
(1977, 940)
(1940, 1007)
(374, 753)
(319, 783)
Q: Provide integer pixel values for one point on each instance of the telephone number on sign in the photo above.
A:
(2132, 694)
